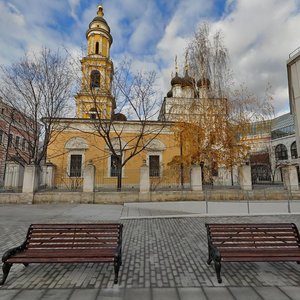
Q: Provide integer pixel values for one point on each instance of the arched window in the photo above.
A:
(93, 113)
(294, 152)
(281, 152)
(97, 48)
(95, 79)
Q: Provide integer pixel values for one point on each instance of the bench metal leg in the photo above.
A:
(209, 255)
(26, 264)
(5, 268)
(214, 255)
(120, 256)
(117, 264)
(218, 270)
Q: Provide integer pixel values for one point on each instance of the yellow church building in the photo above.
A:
(109, 142)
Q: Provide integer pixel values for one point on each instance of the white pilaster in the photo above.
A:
(89, 178)
(31, 179)
(290, 178)
(144, 179)
(196, 178)
(245, 177)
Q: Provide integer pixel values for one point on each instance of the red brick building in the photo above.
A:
(15, 137)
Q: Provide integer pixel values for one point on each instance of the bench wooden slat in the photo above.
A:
(251, 231)
(259, 252)
(70, 246)
(252, 234)
(76, 225)
(70, 253)
(63, 260)
(73, 234)
(255, 244)
(262, 259)
(67, 240)
(69, 231)
(81, 246)
(267, 239)
(249, 225)
(252, 242)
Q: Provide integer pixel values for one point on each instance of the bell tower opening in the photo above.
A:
(97, 48)
(95, 79)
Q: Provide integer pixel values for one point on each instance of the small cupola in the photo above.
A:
(188, 80)
(203, 83)
(170, 94)
(176, 80)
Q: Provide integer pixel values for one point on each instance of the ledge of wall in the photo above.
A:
(157, 196)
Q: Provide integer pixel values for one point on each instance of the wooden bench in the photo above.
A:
(68, 243)
(252, 243)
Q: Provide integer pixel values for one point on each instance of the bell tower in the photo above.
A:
(95, 98)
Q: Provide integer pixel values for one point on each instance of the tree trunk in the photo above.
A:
(181, 163)
(119, 182)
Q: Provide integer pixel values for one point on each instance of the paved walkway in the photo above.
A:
(163, 258)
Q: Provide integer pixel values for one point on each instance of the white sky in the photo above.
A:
(259, 34)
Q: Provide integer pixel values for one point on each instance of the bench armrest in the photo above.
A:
(13, 251)
(213, 251)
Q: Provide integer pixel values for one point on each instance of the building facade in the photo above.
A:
(15, 138)
(78, 144)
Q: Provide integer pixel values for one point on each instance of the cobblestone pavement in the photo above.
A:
(163, 258)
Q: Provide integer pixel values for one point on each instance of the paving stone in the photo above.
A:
(111, 294)
(54, 294)
(8, 294)
(245, 293)
(84, 294)
(144, 294)
(30, 295)
(218, 293)
(191, 294)
(292, 291)
(271, 293)
(165, 294)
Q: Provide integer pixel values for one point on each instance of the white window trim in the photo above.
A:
(159, 153)
(75, 152)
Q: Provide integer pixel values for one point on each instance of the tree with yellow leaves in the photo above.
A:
(213, 132)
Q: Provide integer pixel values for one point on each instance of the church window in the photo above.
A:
(114, 165)
(97, 48)
(281, 152)
(294, 152)
(93, 113)
(17, 142)
(95, 79)
(214, 169)
(154, 166)
(10, 140)
(75, 165)
(23, 144)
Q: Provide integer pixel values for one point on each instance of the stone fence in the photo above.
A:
(29, 179)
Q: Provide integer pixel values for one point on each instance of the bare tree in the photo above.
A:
(208, 59)
(216, 124)
(129, 127)
(39, 85)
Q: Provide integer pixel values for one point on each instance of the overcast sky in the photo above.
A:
(260, 34)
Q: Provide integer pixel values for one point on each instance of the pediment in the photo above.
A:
(76, 143)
